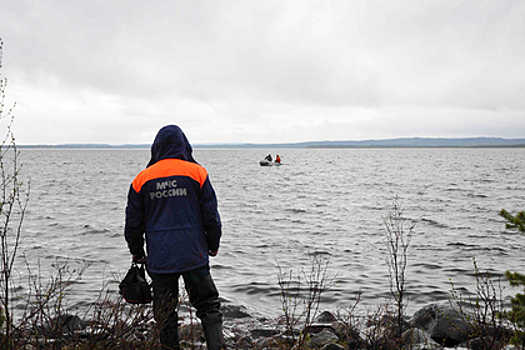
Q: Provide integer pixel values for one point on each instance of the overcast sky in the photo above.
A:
(103, 71)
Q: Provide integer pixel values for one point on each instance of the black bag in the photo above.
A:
(134, 287)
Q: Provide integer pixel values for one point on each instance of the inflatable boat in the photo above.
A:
(266, 162)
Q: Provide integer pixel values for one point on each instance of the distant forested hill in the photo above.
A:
(425, 142)
(400, 142)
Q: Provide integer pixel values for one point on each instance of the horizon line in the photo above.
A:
(392, 142)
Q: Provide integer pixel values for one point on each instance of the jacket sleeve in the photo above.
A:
(210, 215)
(134, 227)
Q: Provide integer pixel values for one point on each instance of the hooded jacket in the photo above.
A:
(173, 205)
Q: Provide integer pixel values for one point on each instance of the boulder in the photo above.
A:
(445, 325)
(244, 342)
(63, 324)
(325, 317)
(349, 334)
(263, 332)
(416, 338)
(266, 343)
(235, 312)
(322, 338)
(318, 328)
(490, 340)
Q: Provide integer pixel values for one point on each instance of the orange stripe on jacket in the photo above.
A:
(170, 167)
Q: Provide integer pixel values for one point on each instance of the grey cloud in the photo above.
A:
(218, 59)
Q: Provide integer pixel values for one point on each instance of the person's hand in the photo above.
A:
(139, 260)
(214, 253)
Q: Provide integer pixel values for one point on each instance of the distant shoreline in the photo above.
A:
(417, 142)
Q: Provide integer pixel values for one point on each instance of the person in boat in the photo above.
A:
(278, 159)
(173, 207)
(268, 157)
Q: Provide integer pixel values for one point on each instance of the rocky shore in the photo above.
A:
(432, 327)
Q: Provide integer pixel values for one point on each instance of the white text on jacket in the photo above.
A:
(166, 189)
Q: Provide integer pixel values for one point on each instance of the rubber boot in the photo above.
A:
(214, 337)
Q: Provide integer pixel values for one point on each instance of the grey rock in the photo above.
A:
(445, 325)
(416, 338)
(349, 334)
(266, 343)
(318, 328)
(235, 312)
(325, 318)
(244, 342)
(322, 338)
(63, 324)
(263, 332)
(482, 343)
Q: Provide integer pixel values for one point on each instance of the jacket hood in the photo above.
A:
(171, 142)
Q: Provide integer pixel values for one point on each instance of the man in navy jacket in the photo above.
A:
(172, 205)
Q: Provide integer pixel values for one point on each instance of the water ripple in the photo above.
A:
(325, 202)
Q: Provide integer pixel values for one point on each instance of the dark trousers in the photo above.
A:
(203, 296)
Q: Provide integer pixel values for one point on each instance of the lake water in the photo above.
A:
(326, 202)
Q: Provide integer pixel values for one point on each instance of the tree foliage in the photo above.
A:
(517, 313)
(514, 222)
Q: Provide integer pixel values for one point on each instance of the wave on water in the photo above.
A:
(329, 203)
(90, 230)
